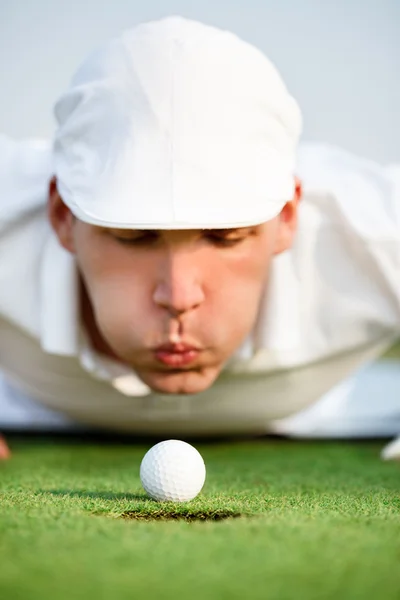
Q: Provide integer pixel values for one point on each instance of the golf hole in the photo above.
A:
(190, 517)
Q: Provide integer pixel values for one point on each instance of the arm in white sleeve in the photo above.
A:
(363, 203)
(25, 171)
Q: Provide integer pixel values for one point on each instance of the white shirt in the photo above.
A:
(333, 302)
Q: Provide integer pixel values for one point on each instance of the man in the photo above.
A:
(194, 273)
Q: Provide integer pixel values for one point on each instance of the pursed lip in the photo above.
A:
(176, 348)
(176, 355)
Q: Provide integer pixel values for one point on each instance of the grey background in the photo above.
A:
(339, 58)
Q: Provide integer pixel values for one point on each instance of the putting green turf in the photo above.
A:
(321, 520)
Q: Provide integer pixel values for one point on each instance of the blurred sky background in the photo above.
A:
(339, 58)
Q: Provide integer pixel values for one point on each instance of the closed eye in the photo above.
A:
(137, 238)
(228, 237)
(223, 238)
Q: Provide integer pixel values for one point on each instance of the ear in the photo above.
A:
(287, 220)
(61, 218)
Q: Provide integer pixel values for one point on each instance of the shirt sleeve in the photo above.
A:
(361, 199)
(25, 171)
(392, 174)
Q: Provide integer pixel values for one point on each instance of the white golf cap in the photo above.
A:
(176, 125)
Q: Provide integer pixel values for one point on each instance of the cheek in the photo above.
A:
(116, 287)
(237, 288)
(249, 269)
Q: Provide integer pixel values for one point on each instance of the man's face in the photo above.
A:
(174, 305)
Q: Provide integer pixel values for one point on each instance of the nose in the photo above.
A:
(178, 289)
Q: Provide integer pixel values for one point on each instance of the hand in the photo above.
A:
(392, 450)
(4, 449)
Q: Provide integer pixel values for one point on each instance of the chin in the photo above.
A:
(180, 382)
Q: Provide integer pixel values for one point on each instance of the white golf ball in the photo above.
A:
(173, 470)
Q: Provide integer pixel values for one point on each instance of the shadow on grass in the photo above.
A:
(184, 515)
(161, 513)
(95, 495)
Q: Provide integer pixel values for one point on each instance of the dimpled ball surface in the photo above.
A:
(172, 470)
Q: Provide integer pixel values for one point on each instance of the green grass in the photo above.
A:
(320, 520)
